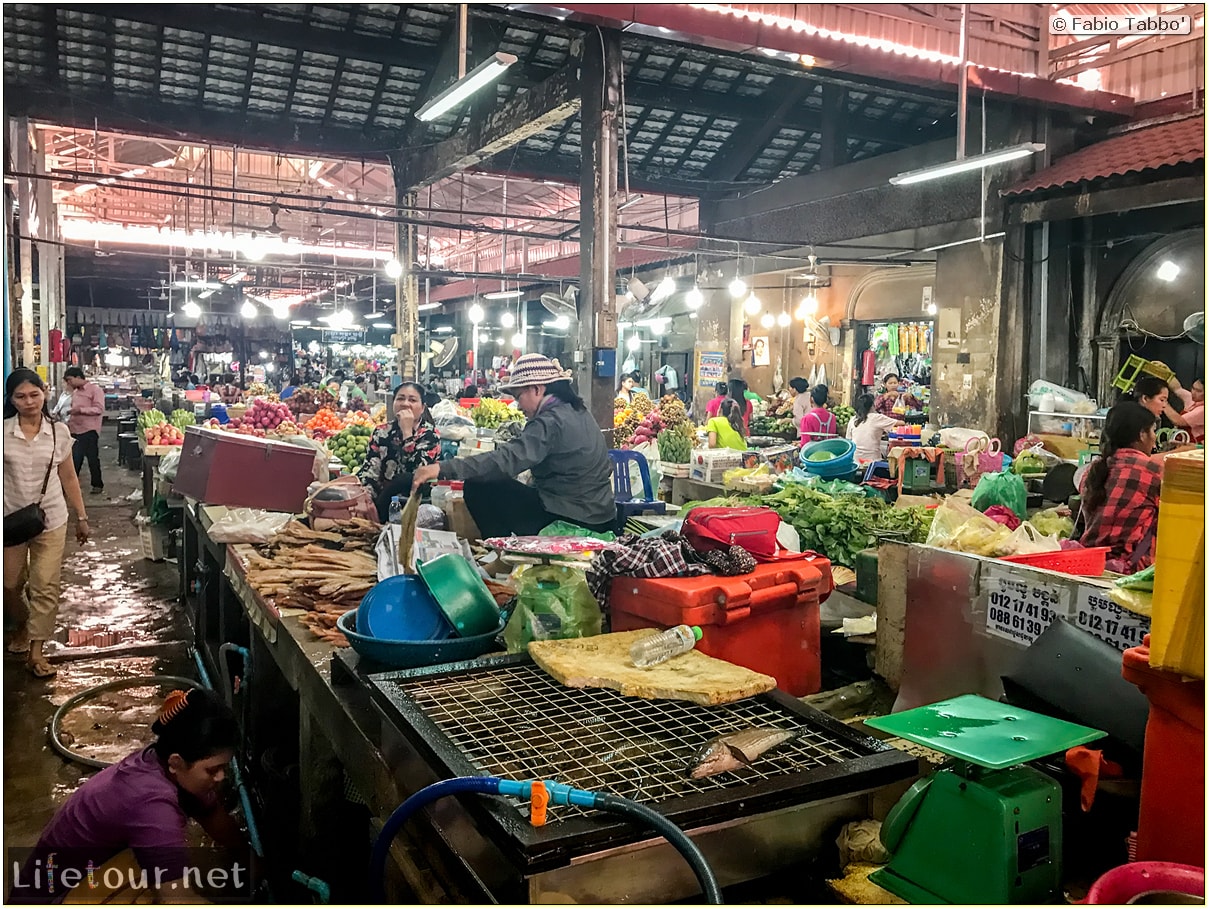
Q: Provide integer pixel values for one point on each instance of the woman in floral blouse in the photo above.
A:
(397, 449)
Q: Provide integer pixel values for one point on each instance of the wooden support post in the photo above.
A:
(598, 220)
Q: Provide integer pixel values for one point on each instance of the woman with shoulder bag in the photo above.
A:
(39, 483)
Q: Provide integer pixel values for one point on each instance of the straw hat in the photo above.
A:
(534, 369)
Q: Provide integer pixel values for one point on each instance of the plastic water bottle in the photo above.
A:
(396, 510)
(659, 648)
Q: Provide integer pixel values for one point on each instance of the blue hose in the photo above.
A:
(236, 777)
(560, 794)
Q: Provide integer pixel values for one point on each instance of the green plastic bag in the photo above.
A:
(1143, 580)
(567, 529)
(552, 603)
(1004, 489)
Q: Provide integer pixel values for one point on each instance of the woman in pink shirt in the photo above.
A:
(143, 803)
(1192, 417)
(84, 422)
(818, 423)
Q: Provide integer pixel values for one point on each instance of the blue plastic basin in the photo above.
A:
(402, 609)
(411, 654)
(842, 464)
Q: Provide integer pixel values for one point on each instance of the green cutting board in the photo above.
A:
(985, 732)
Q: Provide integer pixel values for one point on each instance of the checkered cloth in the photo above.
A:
(664, 556)
(1127, 520)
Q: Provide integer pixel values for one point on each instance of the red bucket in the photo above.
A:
(1148, 882)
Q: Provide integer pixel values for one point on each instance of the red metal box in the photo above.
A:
(220, 468)
(767, 621)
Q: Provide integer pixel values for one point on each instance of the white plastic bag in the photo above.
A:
(650, 451)
(168, 465)
(248, 525)
(1064, 398)
(450, 423)
(1028, 540)
(957, 437)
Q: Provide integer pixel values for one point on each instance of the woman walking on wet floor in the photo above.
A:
(40, 482)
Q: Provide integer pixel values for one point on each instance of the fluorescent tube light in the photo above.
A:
(483, 74)
(383, 325)
(502, 295)
(977, 162)
(964, 242)
(426, 307)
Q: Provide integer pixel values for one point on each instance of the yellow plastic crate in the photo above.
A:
(1177, 625)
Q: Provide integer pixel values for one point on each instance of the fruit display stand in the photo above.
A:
(151, 463)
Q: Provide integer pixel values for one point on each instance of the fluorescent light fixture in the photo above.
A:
(694, 298)
(205, 295)
(208, 285)
(633, 200)
(300, 323)
(248, 309)
(167, 162)
(427, 307)
(768, 320)
(383, 325)
(235, 277)
(976, 162)
(965, 241)
(664, 289)
(483, 74)
(737, 287)
(502, 295)
(443, 329)
(191, 309)
(507, 320)
(1168, 271)
(475, 313)
(394, 268)
(752, 304)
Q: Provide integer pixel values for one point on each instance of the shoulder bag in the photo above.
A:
(26, 523)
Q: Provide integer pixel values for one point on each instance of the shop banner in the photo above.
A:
(711, 368)
(1019, 609)
(1096, 614)
(333, 336)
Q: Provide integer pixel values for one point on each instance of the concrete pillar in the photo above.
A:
(52, 310)
(407, 289)
(19, 137)
(601, 87)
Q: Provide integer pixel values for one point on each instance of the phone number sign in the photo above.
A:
(1020, 610)
(1096, 614)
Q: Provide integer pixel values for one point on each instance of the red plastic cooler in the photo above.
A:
(1171, 818)
(767, 621)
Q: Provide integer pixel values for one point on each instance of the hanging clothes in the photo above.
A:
(671, 379)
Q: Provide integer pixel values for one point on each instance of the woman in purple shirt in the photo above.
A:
(143, 803)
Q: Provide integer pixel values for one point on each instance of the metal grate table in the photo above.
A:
(503, 716)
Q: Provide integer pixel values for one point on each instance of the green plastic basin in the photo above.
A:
(461, 594)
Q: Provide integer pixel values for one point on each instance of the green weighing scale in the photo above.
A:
(983, 828)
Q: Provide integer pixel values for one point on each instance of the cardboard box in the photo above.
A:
(219, 468)
(707, 465)
(460, 521)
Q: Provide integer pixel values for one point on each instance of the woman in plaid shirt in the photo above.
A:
(1121, 489)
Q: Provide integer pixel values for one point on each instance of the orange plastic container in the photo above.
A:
(767, 621)
(1171, 821)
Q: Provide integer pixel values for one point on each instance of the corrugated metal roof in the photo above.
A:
(1148, 148)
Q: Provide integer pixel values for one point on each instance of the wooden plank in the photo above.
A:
(544, 105)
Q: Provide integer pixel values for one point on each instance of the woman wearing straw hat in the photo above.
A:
(561, 446)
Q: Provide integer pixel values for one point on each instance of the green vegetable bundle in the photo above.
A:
(149, 418)
(181, 418)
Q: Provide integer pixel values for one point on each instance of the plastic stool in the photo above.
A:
(623, 494)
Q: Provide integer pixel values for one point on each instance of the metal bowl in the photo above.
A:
(410, 654)
(461, 594)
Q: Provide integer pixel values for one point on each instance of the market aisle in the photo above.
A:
(106, 584)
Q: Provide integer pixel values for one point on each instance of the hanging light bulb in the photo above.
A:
(281, 311)
(808, 307)
(694, 298)
(768, 320)
(253, 249)
(752, 304)
(562, 323)
(191, 309)
(394, 268)
(737, 287)
(507, 320)
(518, 340)
(931, 309)
(475, 314)
(783, 319)
(248, 309)
(634, 344)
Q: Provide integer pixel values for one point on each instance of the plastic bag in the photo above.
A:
(168, 465)
(1006, 489)
(958, 526)
(1054, 522)
(1143, 580)
(951, 514)
(957, 437)
(1064, 398)
(650, 451)
(553, 603)
(567, 529)
(1027, 540)
(1005, 516)
(450, 424)
(248, 525)
(860, 841)
(1139, 602)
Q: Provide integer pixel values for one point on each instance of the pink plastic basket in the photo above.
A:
(1084, 562)
(1126, 883)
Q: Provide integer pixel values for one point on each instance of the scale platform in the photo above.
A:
(984, 732)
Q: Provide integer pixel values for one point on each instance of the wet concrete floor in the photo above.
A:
(107, 586)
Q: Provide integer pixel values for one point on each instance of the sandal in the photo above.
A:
(41, 669)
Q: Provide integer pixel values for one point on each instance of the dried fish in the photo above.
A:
(736, 750)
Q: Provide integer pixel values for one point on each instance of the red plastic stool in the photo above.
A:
(1161, 880)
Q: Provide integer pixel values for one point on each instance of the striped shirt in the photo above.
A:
(25, 466)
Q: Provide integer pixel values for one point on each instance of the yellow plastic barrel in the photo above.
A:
(1177, 629)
